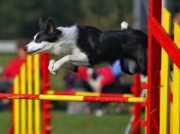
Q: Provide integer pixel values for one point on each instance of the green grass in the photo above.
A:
(78, 124)
(6, 58)
(5, 118)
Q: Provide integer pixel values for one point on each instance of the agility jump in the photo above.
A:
(27, 89)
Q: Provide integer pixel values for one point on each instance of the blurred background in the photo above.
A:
(19, 23)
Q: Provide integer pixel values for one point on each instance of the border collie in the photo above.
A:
(88, 46)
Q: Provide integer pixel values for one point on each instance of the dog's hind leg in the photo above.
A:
(142, 63)
(129, 66)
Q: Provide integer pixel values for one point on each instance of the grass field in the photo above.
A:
(78, 124)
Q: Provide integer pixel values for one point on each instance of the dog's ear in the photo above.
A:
(50, 26)
(41, 24)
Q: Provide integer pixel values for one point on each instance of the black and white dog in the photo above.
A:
(90, 47)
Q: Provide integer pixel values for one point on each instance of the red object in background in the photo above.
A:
(108, 76)
(82, 73)
(107, 79)
(13, 68)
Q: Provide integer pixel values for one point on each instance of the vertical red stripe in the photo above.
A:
(154, 61)
(137, 106)
(46, 105)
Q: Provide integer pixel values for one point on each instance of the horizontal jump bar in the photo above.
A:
(57, 92)
(73, 98)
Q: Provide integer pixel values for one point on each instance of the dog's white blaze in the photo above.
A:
(35, 36)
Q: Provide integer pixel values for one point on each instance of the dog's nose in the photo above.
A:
(25, 48)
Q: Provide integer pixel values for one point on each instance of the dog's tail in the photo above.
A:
(125, 25)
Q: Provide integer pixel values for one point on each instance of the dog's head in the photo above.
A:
(45, 39)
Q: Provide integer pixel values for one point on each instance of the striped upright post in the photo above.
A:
(23, 101)
(16, 107)
(30, 91)
(37, 92)
(176, 87)
(165, 76)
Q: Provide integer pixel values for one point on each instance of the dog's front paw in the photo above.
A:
(51, 66)
(56, 67)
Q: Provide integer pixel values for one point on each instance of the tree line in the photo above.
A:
(19, 18)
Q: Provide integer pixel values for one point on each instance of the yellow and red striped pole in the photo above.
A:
(73, 98)
(37, 92)
(23, 102)
(30, 102)
(176, 87)
(165, 75)
(16, 107)
(55, 92)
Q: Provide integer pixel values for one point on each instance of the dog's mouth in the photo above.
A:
(32, 52)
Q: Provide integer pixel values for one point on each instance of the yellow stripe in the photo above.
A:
(127, 95)
(176, 87)
(165, 69)
(136, 99)
(37, 91)
(50, 92)
(30, 102)
(23, 101)
(16, 107)
(171, 110)
(61, 97)
(87, 94)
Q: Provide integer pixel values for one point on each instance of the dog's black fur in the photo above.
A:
(128, 45)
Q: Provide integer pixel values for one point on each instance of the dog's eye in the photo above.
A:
(38, 39)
